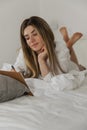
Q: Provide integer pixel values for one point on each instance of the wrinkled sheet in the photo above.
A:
(62, 82)
(62, 111)
(51, 108)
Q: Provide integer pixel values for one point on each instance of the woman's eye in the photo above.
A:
(34, 34)
(27, 38)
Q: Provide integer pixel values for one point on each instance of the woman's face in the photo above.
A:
(33, 38)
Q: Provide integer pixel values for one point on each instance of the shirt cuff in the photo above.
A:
(48, 77)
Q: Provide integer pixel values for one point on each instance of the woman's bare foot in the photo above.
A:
(64, 33)
(75, 37)
(81, 67)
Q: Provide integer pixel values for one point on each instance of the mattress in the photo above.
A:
(47, 110)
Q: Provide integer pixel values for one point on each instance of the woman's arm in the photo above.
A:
(42, 60)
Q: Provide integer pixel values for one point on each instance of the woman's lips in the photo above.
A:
(34, 45)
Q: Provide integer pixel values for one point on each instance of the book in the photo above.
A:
(16, 75)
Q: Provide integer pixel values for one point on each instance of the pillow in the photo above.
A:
(11, 88)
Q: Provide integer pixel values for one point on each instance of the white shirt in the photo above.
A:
(63, 56)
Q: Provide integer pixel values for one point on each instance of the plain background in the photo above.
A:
(69, 13)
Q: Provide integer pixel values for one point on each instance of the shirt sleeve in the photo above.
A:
(48, 77)
(20, 63)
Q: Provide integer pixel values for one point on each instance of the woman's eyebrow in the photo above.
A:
(26, 35)
(33, 31)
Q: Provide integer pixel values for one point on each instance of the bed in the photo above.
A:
(48, 109)
(51, 108)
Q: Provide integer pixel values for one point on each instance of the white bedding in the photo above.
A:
(49, 109)
(64, 111)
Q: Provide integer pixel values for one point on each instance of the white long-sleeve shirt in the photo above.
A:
(63, 56)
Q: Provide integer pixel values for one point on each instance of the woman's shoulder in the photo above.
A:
(20, 62)
(20, 57)
(20, 52)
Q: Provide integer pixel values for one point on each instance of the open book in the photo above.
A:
(16, 75)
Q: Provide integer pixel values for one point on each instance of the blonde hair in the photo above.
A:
(47, 35)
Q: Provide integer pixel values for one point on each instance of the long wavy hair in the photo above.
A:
(30, 56)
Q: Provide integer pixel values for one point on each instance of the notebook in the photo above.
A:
(16, 75)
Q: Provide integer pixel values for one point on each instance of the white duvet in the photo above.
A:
(62, 82)
(60, 104)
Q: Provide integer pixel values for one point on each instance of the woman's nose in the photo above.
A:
(32, 39)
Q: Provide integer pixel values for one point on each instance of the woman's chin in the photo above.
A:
(37, 51)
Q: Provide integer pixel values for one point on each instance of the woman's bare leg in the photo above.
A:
(73, 56)
(75, 37)
(70, 42)
(64, 33)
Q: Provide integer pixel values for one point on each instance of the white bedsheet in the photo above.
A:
(62, 111)
(54, 105)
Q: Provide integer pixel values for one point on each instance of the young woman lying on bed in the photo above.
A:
(40, 55)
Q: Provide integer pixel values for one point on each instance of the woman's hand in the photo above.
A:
(42, 56)
(42, 60)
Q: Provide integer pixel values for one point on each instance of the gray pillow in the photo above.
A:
(11, 88)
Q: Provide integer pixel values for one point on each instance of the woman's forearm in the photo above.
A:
(44, 68)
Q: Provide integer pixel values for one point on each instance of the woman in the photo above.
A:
(40, 55)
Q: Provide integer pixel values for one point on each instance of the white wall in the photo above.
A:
(73, 15)
(12, 13)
